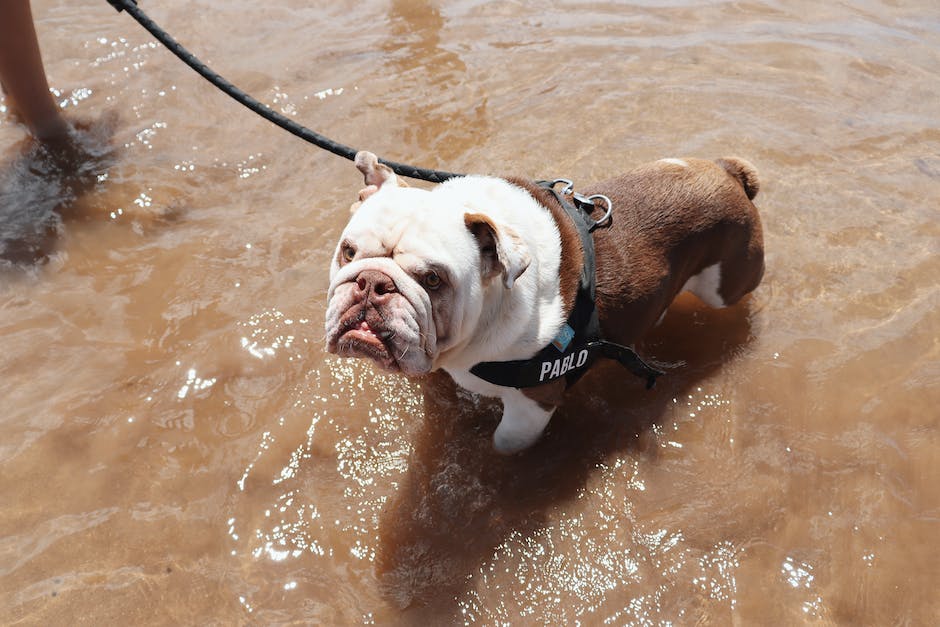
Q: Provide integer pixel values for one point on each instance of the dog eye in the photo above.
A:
(432, 280)
(349, 253)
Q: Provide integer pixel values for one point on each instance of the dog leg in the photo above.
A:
(523, 422)
(705, 285)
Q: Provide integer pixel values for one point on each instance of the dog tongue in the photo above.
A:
(365, 328)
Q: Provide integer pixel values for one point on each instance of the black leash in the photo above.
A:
(433, 176)
(582, 325)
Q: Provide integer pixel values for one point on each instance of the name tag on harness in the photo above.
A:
(554, 368)
(545, 367)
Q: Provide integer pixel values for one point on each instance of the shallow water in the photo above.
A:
(177, 448)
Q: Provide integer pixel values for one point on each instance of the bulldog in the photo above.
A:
(482, 270)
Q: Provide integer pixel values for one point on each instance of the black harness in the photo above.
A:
(579, 343)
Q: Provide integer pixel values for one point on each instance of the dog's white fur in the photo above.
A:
(399, 231)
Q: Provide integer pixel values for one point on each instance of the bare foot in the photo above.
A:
(41, 182)
(84, 147)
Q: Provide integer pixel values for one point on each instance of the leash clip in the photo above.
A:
(586, 203)
(567, 190)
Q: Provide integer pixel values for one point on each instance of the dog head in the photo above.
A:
(409, 276)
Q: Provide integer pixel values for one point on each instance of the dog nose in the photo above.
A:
(377, 283)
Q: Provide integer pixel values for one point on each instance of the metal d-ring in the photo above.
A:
(607, 219)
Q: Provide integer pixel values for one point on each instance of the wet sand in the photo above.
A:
(176, 447)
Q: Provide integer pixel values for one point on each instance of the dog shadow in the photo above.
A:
(460, 499)
(42, 186)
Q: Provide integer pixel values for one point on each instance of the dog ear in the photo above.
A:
(375, 175)
(502, 249)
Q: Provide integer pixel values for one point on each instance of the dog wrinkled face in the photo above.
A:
(404, 281)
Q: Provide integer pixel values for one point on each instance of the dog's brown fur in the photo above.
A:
(572, 253)
(670, 222)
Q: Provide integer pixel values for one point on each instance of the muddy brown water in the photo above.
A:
(176, 447)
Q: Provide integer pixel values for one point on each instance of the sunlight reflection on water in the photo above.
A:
(284, 486)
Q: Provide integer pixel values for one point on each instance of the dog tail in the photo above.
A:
(743, 172)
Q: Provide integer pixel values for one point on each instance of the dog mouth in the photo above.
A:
(359, 337)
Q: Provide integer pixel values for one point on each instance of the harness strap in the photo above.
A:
(547, 366)
(579, 343)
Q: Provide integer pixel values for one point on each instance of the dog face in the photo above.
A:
(400, 282)
(409, 273)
